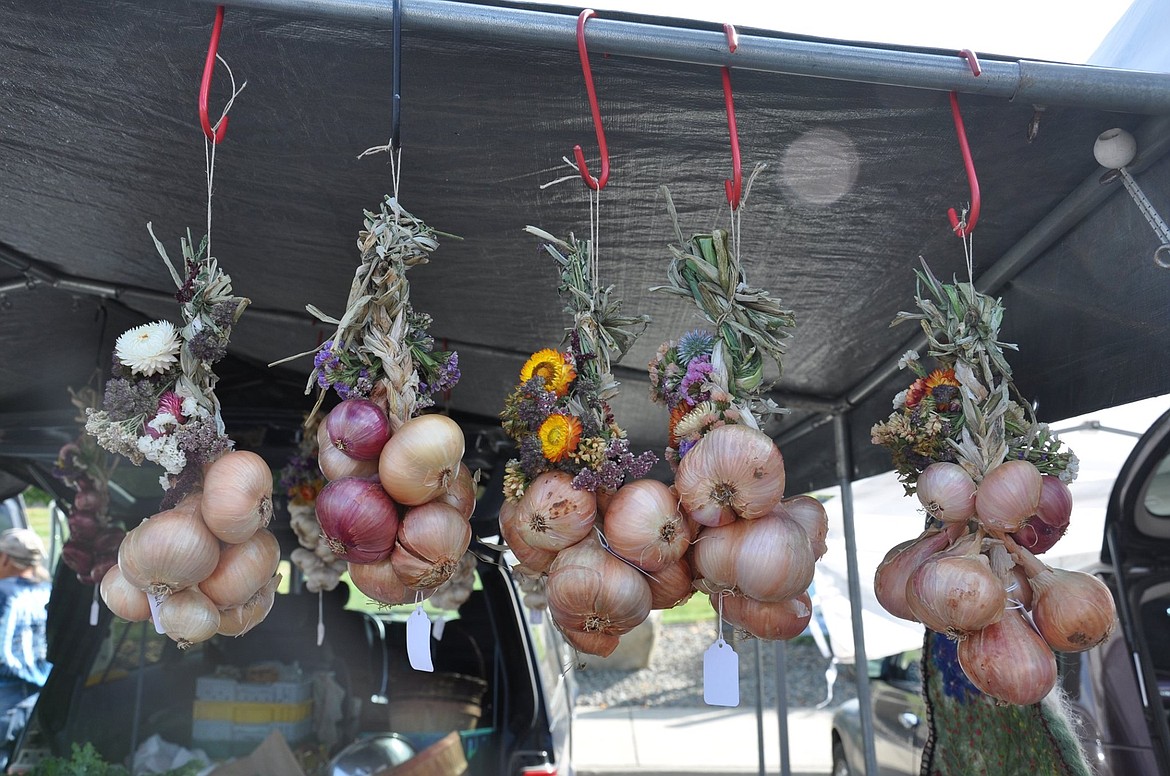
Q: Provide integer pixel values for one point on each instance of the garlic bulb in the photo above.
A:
(732, 471)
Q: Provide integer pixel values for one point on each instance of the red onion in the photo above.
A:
(358, 428)
(77, 557)
(359, 520)
(336, 464)
(83, 526)
(90, 500)
(1044, 529)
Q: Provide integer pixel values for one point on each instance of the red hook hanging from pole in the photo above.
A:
(963, 228)
(597, 184)
(733, 187)
(215, 135)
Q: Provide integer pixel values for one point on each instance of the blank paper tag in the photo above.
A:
(93, 613)
(720, 675)
(437, 627)
(535, 616)
(418, 640)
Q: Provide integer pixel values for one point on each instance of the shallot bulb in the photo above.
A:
(461, 493)
(956, 594)
(170, 551)
(889, 582)
(714, 556)
(947, 492)
(123, 599)
(421, 460)
(238, 620)
(242, 570)
(335, 464)
(1008, 495)
(359, 428)
(591, 642)
(1045, 528)
(359, 521)
(381, 584)
(643, 524)
(592, 591)
(732, 471)
(1073, 611)
(1008, 660)
(552, 514)
(672, 585)
(237, 496)
(535, 559)
(188, 617)
(774, 560)
(769, 620)
(431, 542)
(813, 518)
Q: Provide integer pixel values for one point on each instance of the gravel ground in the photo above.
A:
(674, 677)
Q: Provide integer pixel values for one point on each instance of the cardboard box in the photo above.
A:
(271, 758)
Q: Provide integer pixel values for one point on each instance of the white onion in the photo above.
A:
(237, 496)
(170, 551)
(123, 599)
(421, 459)
(242, 570)
(238, 620)
(188, 617)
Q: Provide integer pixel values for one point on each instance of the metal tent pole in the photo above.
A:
(763, 768)
(782, 705)
(860, 664)
(1022, 81)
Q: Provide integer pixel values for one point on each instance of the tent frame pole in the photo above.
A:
(860, 663)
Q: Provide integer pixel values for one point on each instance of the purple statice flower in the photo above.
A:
(690, 388)
(532, 459)
(125, 399)
(223, 314)
(642, 464)
(684, 446)
(208, 346)
(586, 479)
(449, 373)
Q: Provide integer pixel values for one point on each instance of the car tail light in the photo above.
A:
(548, 769)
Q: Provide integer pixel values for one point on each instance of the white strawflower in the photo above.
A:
(149, 349)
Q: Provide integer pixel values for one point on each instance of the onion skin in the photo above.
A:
(733, 471)
(947, 492)
(644, 525)
(358, 428)
(1008, 495)
(1072, 610)
(813, 518)
(188, 617)
(714, 556)
(359, 521)
(889, 582)
(238, 620)
(774, 560)
(768, 620)
(237, 496)
(169, 551)
(243, 570)
(1045, 528)
(431, 541)
(421, 459)
(672, 586)
(591, 643)
(956, 594)
(537, 560)
(123, 599)
(461, 493)
(592, 591)
(1008, 660)
(335, 464)
(552, 514)
(381, 584)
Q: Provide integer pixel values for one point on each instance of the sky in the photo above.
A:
(1054, 30)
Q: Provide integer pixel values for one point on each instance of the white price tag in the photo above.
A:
(720, 675)
(418, 640)
(438, 626)
(93, 613)
(535, 616)
(154, 604)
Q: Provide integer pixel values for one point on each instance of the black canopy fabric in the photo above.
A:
(99, 135)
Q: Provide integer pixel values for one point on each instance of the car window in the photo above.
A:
(1158, 491)
(12, 514)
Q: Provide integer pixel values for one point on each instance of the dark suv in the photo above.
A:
(500, 677)
(1119, 692)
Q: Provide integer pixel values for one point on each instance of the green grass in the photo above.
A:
(39, 521)
(696, 609)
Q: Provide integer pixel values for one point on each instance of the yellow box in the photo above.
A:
(252, 713)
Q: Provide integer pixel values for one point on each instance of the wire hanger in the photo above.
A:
(214, 134)
(963, 227)
(597, 184)
(396, 99)
(733, 187)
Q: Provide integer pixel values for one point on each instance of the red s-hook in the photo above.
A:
(597, 184)
(733, 187)
(215, 135)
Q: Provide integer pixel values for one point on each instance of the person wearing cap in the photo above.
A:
(24, 594)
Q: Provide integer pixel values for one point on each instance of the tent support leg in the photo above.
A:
(860, 665)
(782, 704)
